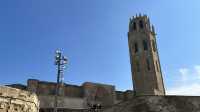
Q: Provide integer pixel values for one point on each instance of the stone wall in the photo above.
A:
(93, 93)
(16, 100)
(99, 93)
(77, 97)
(47, 101)
(48, 88)
(73, 91)
(123, 96)
(158, 104)
(65, 110)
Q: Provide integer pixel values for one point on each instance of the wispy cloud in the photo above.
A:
(197, 70)
(189, 82)
(189, 90)
(184, 73)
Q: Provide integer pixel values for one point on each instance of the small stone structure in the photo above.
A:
(16, 100)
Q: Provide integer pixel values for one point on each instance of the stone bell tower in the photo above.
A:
(145, 63)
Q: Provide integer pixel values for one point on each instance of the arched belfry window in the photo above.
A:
(137, 65)
(134, 26)
(148, 64)
(157, 66)
(141, 24)
(153, 45)
(145, 46)
(135, 47)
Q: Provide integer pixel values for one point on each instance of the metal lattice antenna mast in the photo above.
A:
(60, 61)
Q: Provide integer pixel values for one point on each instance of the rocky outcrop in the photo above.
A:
(16, 100)
(158, 104)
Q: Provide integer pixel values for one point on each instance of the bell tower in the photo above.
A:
(144, 58)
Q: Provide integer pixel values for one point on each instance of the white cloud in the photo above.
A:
(189, 90)
(184, 72)
(188, 83)
(197, 69)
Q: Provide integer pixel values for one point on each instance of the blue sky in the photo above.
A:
(93, 35)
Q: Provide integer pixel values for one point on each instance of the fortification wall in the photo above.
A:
(73, 91)
(47, 101)
(100, 93)
(79, 96)
(48, 88)
(15, 100)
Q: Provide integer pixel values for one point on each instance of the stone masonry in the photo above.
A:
(16, 100)
(158, 104)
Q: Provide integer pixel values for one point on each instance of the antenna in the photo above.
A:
(60, 62)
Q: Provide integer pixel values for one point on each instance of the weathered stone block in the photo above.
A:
(15, 100)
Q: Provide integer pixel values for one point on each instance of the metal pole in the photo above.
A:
(60, 62)
(57, 85)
